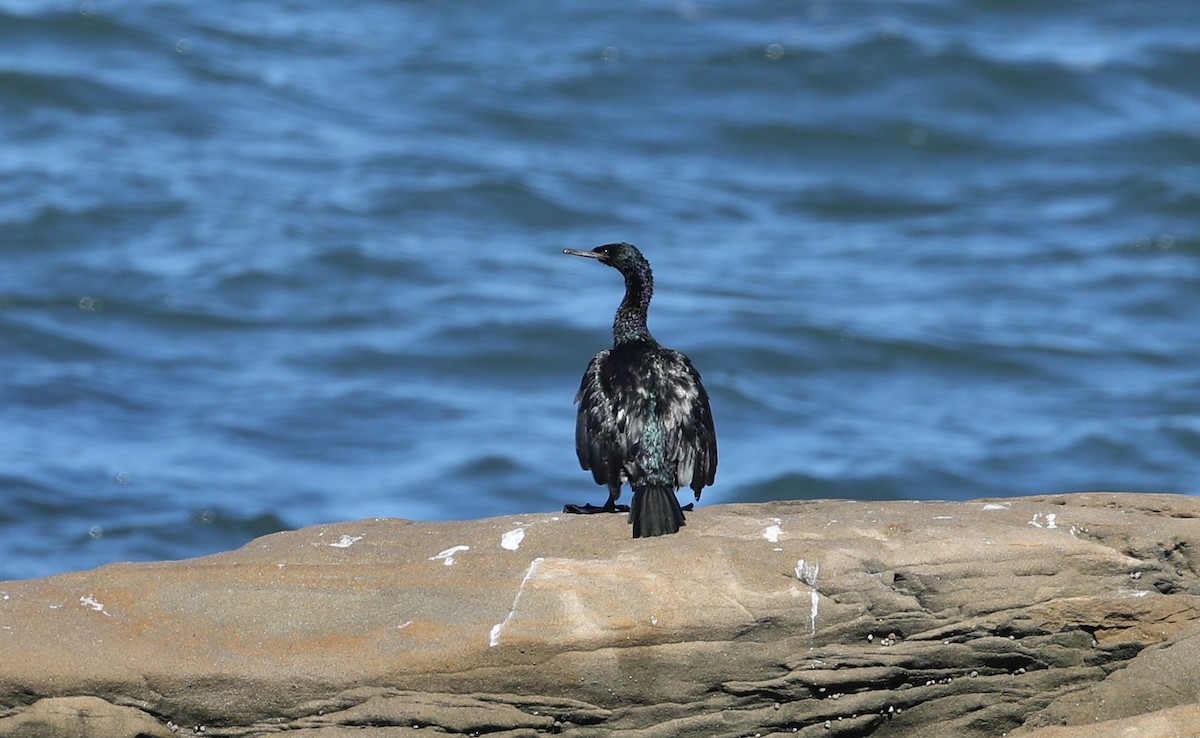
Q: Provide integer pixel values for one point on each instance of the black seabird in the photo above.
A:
(643, 414)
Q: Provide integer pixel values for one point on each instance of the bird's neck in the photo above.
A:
(630, 321)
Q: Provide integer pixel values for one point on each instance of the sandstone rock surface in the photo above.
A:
(1048, 617)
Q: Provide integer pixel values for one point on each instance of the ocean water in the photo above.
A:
(267, 265)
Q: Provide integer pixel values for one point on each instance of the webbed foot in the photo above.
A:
(588, 509)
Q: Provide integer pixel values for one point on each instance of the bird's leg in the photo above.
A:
(614, 491)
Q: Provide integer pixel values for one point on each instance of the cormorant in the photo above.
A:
(643, 414)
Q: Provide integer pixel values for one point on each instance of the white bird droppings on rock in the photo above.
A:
(1048, 517)
(807, 573)
(511, 540)
(93, 603)
(494, 635)
(447, 556)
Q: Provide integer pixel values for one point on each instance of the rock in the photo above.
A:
(1174, 722)
(826, 618)
(81, 717)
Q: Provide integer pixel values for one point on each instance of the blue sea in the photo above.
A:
(265, 265)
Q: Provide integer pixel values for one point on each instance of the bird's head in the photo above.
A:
(622, 256)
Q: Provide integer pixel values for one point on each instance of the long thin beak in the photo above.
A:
(577, 252)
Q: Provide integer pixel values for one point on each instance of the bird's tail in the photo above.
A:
(655, 511)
